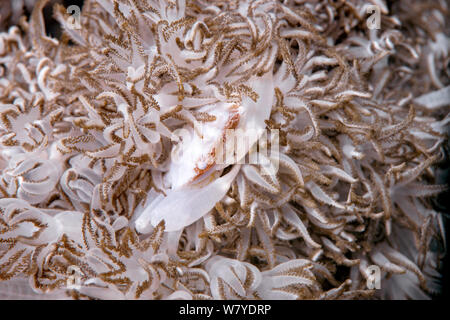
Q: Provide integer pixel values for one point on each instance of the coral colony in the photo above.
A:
(222, 149)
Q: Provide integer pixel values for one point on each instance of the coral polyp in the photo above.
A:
(112, 134)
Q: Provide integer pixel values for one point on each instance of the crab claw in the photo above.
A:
(196, 184)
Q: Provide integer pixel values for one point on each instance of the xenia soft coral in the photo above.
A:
(88, 129)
